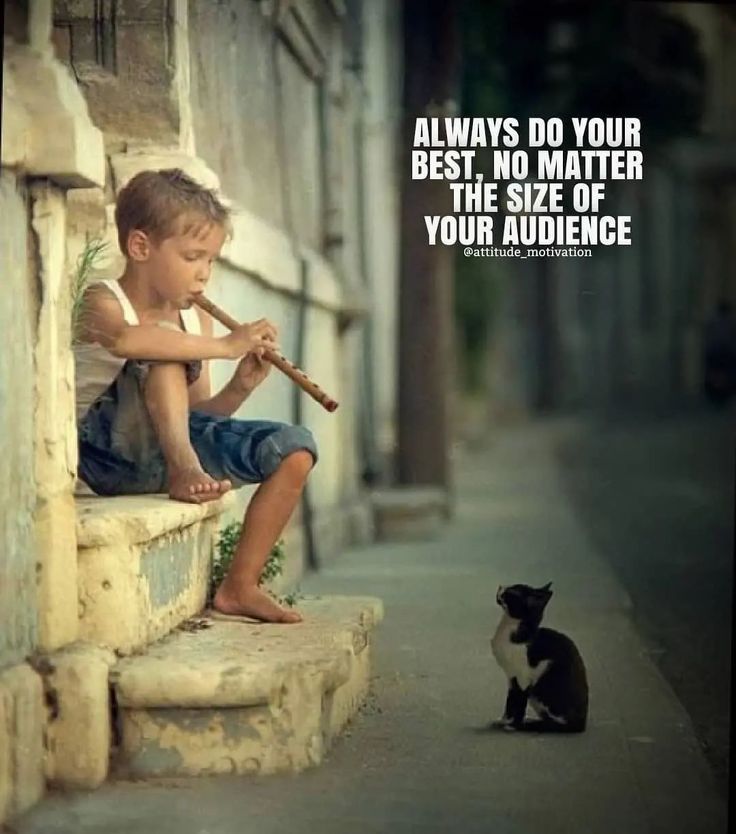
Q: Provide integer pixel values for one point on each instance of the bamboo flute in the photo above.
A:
(282, 363)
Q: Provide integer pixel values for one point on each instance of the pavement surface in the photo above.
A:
(656, 496)
(418, 757)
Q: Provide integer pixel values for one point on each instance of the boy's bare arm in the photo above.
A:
(229, 399)
(102, 321)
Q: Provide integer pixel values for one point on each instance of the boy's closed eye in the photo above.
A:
(195, 256)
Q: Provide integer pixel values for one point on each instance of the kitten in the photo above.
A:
(543, 666)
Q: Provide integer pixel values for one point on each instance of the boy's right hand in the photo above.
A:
(254, 337)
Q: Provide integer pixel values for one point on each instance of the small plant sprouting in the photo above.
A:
(227, 541)
(275, 564)
(93, 250)
(292, 598)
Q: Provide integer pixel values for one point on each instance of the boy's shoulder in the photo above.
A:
(100, 313)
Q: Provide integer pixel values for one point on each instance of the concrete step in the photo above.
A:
(409, 513)
(243, 697)
(143, 566)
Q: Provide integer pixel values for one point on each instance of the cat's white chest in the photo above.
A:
(512, 657)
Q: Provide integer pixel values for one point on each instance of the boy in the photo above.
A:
(148, 421)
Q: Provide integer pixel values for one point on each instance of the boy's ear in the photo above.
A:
(138, 245)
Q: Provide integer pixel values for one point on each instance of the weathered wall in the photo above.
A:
(256, 116)
(275, 116)
(48, 146)
(18, 603)
(123, 59)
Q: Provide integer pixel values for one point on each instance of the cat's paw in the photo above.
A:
(503, 724)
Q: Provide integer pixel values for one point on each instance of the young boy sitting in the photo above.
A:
(148, 421)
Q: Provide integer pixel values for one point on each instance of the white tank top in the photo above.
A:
(96, 367)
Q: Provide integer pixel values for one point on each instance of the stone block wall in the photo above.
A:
(49, 145)
(18, 317)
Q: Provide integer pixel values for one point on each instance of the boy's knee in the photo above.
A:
(158, 367)
(163, 373)
(299, 462)
(155, 376)
(293, 446)
(153, 370)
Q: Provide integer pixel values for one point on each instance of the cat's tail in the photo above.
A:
(547, 725)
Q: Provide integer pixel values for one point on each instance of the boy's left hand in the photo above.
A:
(251, 371)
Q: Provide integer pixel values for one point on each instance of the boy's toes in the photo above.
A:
(193, 486)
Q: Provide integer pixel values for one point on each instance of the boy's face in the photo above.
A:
(179, 266)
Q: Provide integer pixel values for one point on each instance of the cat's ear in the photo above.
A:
(547, 589)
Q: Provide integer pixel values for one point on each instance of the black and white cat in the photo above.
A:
(543, 666)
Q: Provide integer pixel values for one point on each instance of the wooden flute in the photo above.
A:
(295, 374)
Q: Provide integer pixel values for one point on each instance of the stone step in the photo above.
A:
(143, 566)
(244, 697)
(409, 513)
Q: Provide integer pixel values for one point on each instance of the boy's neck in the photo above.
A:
(141, 293)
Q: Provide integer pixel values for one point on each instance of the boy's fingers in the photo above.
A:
(268, 344)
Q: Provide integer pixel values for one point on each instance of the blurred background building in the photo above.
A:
(626, 326)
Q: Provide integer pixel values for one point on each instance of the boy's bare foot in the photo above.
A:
(255, 603)
(195, 486)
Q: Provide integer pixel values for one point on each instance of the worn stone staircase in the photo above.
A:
(239, 697)
(159, 687)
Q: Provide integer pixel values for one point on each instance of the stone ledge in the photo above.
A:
(237, 663)
(132, 519)
(244, 697)
(409, 513)
(143, 566)
(47, 131)
(78, 733)
(21, 740)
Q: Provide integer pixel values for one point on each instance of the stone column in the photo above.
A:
(55, 429)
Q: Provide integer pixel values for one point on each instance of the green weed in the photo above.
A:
(225, 551)
(93, 250)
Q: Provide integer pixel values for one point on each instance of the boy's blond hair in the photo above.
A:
(156, 202)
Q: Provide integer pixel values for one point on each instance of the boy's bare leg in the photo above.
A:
(265, 518)
(167, 401)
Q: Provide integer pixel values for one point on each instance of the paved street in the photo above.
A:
(417, 758)
(657, 500)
